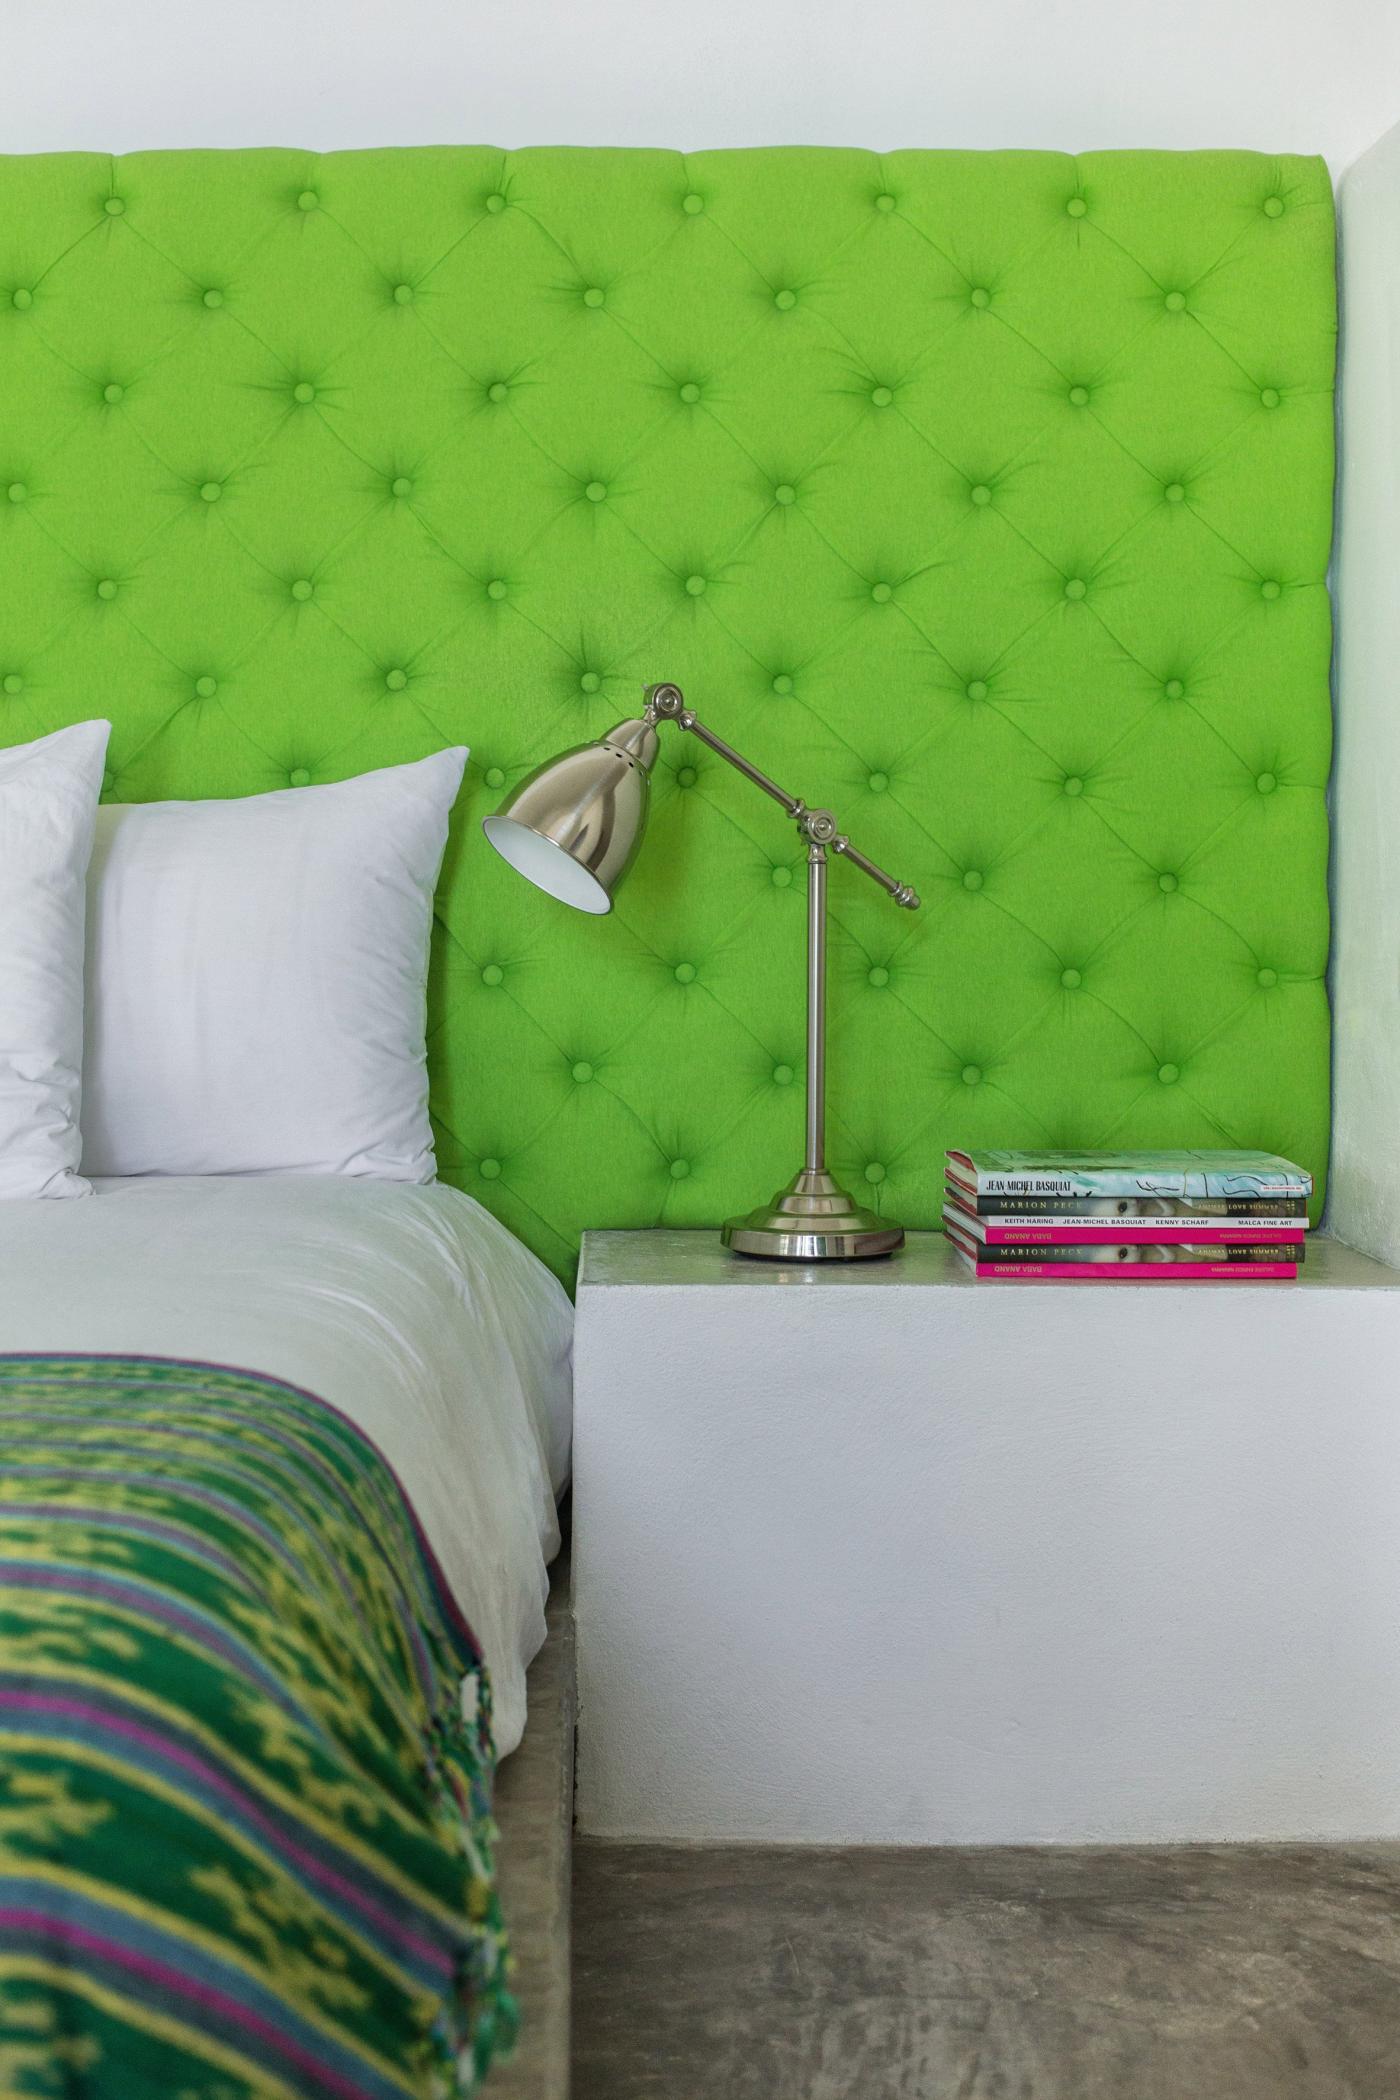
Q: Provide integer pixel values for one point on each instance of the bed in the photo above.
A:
(250, 1712)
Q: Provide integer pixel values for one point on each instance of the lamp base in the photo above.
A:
(812, 1219)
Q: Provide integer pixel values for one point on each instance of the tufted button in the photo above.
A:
(112, 393)
(782, 878)
(977, 689)
(1075, 587)
(785, 493)
(589, 682)
(878, 782)
(492, 975)
(1269, 589)
(1173, 689)
(1174, 302)
(498, 391)
(695, 586)
(596, 491)
(692, 204)
(17, 492)
(684, 973)
(875, 1172)
(782, 684)
(690, 393)
(879, 976)
(494, 777)
(685, 776)
(1079, 395)
(401, 486)
(1269, 396)
(1168, 1074)
(1071, 980)
(882, 396)
(303, 589)
(299, 777)
(1267, 978)
(884, 202)
(972, 1075)
(396, 680)
(206, 687)
(211, 491)
(972, 880)
(594, 296)
(303, 392)
(1266, 783)
(1174, 492)
(582, 1071)
(115, 206)
(1073, 785)
(307, 201)
(980, 296)
(785, 300)
(495, 203)
(489, 1169)
(496, 589)
(679, 1169)
(13, 683)
(403, 295)
(106, 589)
(782, 1075)
(1273, 207)
(22, 299)
(1166, 883)
(981, 495)
(213, 297)
(1076, 207)
(881, 593)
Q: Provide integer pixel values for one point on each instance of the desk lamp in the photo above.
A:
(573, 828)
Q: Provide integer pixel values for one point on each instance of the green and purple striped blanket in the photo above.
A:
(245, 1836)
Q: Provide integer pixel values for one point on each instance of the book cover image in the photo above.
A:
(1177, 1177)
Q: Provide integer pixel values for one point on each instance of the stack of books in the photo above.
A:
(1168, 1217)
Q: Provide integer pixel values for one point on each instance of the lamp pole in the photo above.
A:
(812, 1219)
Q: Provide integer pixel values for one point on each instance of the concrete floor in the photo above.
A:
(1201, 1973)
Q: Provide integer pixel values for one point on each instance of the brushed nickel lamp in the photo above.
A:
(573, 828)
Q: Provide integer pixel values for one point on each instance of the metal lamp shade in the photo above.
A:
(573, 826)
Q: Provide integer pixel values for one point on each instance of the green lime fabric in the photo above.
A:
(983, 497)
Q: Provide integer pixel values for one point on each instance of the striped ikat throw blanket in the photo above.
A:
(245, 1836)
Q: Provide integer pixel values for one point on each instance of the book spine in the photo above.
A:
(1073, 1232)
(1052, 1210)
(1064, 1254)
(1138, 1272)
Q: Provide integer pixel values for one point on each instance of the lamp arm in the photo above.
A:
(666, 703)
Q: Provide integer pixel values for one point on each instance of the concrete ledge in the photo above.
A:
(884, 1554)
(535, 1813)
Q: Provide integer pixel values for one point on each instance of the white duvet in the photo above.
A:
(412, 1310)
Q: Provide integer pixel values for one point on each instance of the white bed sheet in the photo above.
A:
(411, 1309)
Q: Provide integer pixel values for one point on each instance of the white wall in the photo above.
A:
(1289, 75)
(1364, 1206)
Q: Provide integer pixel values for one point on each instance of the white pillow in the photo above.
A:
(48, 799)
(257, 976)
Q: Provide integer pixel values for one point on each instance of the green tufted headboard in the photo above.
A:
(986, 497)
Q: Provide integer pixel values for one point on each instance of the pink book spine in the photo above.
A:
(1290, 1235)
(1140, 1272)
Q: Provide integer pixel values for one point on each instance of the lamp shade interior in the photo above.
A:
(546, 864)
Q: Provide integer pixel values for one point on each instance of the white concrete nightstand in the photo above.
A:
(877, 1553)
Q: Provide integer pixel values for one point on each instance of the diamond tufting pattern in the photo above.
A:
(985, 497)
